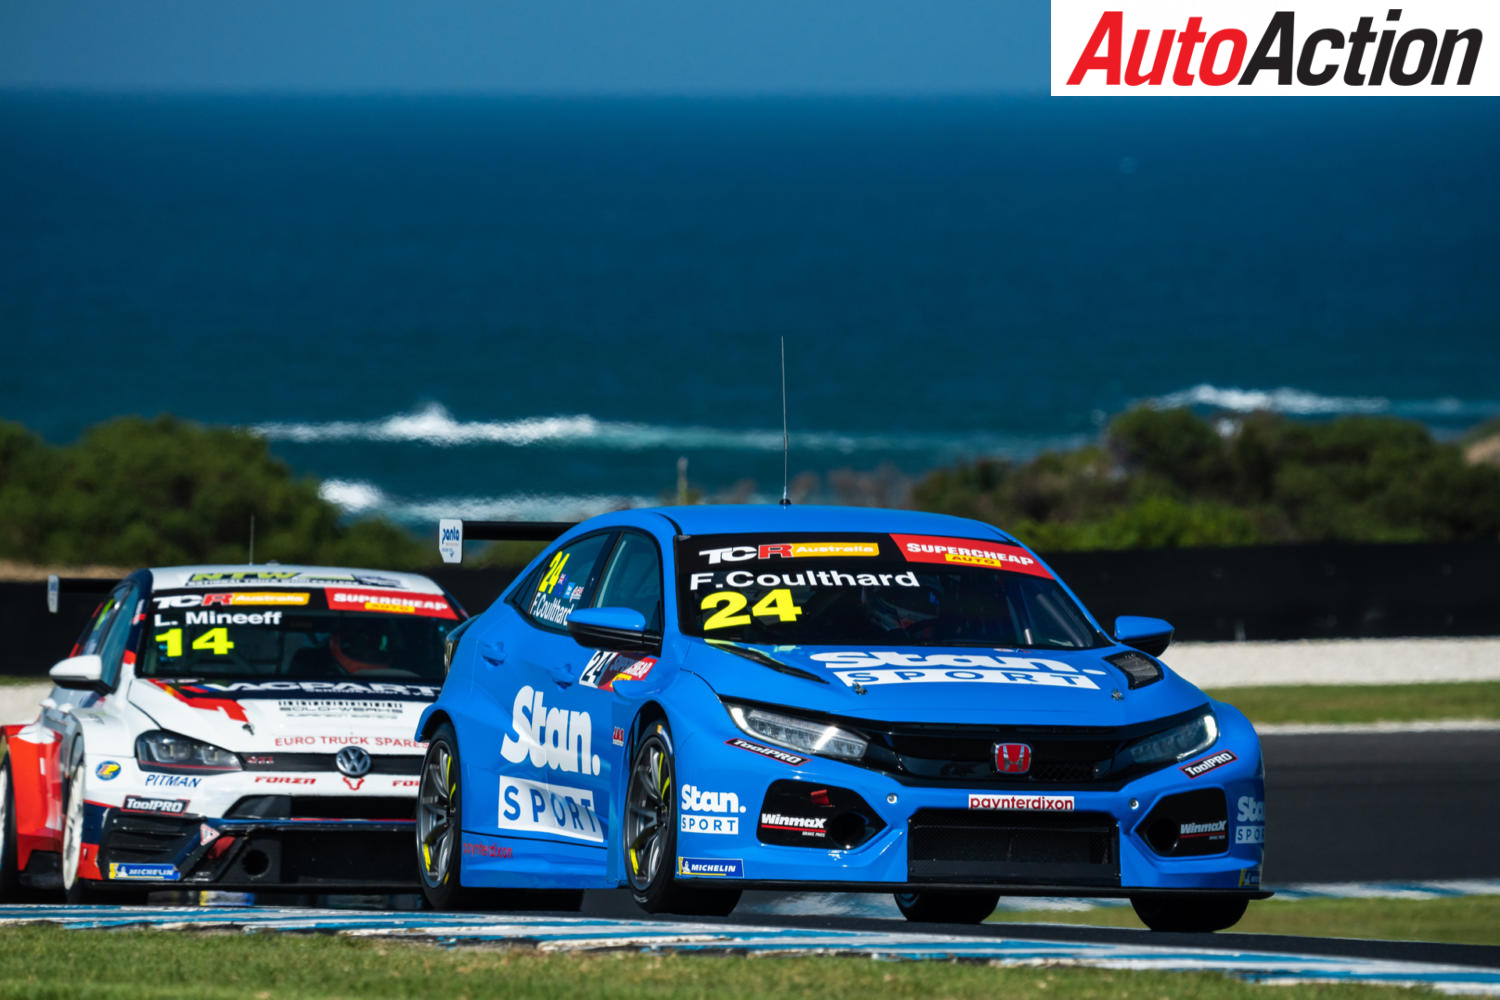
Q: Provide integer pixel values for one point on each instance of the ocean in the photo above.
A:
(513, 307)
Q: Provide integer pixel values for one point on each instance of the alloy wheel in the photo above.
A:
(72, 845)
(436, 827)
(649, 813)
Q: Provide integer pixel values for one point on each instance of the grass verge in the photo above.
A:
(1456, 920)
(1334, 703)
(47, 963)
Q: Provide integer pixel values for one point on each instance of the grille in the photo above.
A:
(142, 838)
(1055, 849)
(371, 857)
(310, 807)
(1061, 756)
(379, 763)
(966, 755)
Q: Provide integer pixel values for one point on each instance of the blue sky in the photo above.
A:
(535, 46)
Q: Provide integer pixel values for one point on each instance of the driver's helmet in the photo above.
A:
(912, 611)
(359, 644)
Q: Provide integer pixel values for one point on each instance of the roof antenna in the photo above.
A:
(251, 560)
(786, 441)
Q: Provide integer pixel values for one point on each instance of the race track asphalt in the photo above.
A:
(1349, 807)
(1381, 807)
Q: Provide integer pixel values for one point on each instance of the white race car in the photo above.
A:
(229, 727)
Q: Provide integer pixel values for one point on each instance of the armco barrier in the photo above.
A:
(1270, 592)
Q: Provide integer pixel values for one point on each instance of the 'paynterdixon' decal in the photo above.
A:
(1026, 803)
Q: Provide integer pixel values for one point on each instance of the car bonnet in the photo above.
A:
(287, 715)
(961, 685)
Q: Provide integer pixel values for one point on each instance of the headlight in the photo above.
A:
(1174, 744)
(160, 751)
(806, 735)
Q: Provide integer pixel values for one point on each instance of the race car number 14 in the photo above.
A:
(215, 641)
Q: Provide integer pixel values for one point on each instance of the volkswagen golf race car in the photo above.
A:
(694, 701)
(229, 727)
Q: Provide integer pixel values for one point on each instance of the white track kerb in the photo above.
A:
(585, 934)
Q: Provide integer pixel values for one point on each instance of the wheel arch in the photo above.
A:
(649, 712)
(431, 723)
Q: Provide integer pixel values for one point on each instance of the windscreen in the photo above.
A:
(313, 635)
(845, 589)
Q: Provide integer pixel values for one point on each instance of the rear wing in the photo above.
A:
(75, 585)
(452, 531)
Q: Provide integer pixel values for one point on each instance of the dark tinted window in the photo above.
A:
(632, 578)
(117, 631)
(564, 581)
(294, 635)
(836, 589)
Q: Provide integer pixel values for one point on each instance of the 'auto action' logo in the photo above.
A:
(1253, 47)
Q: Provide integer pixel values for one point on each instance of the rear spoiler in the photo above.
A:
(75, 585)
(452, 531)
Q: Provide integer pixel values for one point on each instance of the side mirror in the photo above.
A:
(1149, 635)
(79, 673)
(617, 629)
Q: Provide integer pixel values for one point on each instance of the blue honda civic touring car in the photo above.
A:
(694, 701)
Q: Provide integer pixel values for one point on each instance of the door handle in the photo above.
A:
(563, 674)
(492, 651)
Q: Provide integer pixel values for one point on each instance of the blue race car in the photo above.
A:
(694, 701)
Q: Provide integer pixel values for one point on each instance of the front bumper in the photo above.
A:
(1164, 831)
(147, 851)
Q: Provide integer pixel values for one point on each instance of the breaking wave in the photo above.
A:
(434, 425)
(1302, 403)
(355, 497)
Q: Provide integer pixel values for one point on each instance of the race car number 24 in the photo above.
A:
(776, 604)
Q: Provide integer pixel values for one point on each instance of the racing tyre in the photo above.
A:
(1189, 914)
(76, 889)
(650, 834)
(439, 840)
(947, 907)
(11, 890)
